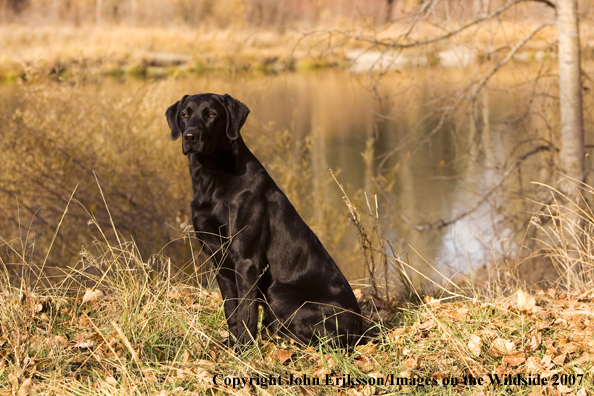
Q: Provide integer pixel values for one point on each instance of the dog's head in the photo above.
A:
(208, 123)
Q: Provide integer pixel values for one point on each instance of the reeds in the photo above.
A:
(566, 234)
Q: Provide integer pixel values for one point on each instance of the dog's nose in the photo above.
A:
(190, 138)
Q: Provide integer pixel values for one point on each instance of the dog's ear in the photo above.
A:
(172, 115)
(237, 113)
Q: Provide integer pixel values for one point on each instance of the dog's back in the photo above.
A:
(307, 293)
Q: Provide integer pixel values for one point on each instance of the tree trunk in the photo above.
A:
(389, 6)
(98, 12)
(572, 160)
(133, 11)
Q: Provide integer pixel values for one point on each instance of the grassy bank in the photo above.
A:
(120, 322)
(147, 333)
(143, 329)
(143, 51)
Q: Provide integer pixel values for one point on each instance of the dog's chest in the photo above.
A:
(211, 218)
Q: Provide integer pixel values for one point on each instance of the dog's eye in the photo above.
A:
(211, 115)
(185, 115)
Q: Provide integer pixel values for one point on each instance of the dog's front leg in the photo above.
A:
(247, 278)
(226, 280)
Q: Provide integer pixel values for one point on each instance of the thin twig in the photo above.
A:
(444, 223)
(394, 44)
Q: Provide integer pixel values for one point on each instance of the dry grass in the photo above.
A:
(146, 332)
(140, 51)
(143, 329)
(70, 134)
(120, 322)
(566, 233)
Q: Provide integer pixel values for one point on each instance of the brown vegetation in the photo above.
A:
(143, 332)
(93, 234)
(163, 38)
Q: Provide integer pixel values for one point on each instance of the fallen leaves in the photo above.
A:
(515, 358)
(365, 363)
(367, 349)
(282, 355)
(412, 362)
(83, 341)
(475, 345)
(534, 342)
(533, 365)
(431, 301)
(547, 362)
(92, 297)
(25, 389)
(426, 325)
(501, 347)
(524, 301)
(560, 359)
(395, 334)
(569, 348)
(441, 339)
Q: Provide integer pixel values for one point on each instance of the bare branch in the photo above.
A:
(510, 55)
(444, 223)
(418, 15)
(548, 3)
(391, 44)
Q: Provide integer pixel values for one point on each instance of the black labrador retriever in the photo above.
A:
(264, 252)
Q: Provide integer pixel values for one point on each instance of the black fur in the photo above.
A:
(264, 252)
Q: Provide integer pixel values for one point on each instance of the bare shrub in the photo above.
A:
(68, 137)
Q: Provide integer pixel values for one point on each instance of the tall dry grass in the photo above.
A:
(164, 38)
(565, 233)
(81, 145)
(146, 332)
(122, 319)
(67, 138)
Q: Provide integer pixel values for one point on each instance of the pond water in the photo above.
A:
(437, 178)
(428, 175)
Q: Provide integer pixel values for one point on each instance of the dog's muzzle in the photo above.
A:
(192, 141)
(190, 138)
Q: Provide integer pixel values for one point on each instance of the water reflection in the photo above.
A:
(435, 180)
(337, 118)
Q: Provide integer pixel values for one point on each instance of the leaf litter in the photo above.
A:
(182, 349)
